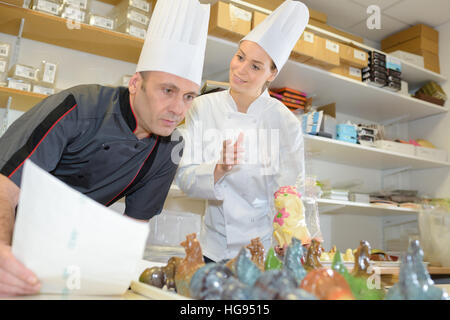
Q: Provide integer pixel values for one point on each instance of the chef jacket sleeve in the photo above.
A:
(148, 201)
(292, 154)
(41, 135)
(194, 176)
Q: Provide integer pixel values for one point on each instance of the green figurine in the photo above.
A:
(272, 262)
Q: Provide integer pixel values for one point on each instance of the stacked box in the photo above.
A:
(5, 49)
(419, 39)
(132, 17)
(394, 73)
(375, 73)
(366, 135)
(229, 21)
(101, 21)
(291, 98)
(347, 133)
(48, 6)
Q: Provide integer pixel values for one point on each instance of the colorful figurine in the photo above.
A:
(362, 260)
(293, 260)
(313, 256)
(272, 262)
(289, 220)
(189, 265)
(245, 269)
(257, 250)
(414, 281)
(208, 281)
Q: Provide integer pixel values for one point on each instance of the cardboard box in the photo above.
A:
(353, 57)
(415, 45)
(409, 57)
(431, 61)
(348, 71)
(335, 31)
(273, 4)
(326, 55)
(305, 47)
(229, 21)
(417, 31)
(258, 17)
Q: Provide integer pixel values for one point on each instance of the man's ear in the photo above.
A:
(134, 83)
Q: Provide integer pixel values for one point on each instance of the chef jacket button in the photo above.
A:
(105, 147)
(136, 145)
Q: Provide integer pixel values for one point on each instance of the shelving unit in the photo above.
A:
(21, 100)
(365, 157)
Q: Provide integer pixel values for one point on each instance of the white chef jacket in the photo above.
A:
(240, 204)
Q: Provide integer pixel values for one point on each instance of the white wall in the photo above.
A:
(436, 182)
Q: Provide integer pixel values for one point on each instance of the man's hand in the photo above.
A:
(231, 155)
(15, 278)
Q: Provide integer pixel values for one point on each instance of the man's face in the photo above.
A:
(160, 101)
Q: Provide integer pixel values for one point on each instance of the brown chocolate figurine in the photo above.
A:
(257, 251)
(312, 260)
(362, 257)
(189, 264)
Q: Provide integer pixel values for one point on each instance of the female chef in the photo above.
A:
(222, 160)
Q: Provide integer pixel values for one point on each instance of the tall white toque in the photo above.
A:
(176, 39)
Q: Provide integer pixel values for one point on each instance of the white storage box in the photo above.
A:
(432, 154)
(395, 147)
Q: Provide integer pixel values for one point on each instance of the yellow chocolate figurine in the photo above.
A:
(289, 219)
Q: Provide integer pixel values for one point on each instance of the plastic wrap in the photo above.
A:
(434, 226)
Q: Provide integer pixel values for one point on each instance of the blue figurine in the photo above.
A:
(414, 280)
(207, 283)
(246, 270)
(293, 260)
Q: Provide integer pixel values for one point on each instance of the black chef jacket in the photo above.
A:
(84, 136)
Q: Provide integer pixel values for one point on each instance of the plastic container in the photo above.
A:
(434, 226)
(80, 4)
(19, 84)
(47, 73)
(134, 16)
(37, 88)
(3, 65)
(133, 29)
(4, 50)
(102, 21)
(74, 13)
(48, 6)
(21, 71)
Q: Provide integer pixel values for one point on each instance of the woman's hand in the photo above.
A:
(231, 155)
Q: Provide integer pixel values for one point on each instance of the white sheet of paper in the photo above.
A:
(73, 244)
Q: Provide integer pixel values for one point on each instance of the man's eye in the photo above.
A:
(255, 67)
(240, 58)
(167, 91)
(190, 97)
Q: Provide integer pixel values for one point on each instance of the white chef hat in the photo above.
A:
(176, 39)
(280, 31)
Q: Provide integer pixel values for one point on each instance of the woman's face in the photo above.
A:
(250, 69)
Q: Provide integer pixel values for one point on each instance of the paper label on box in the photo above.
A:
(143, 5)
(360, 55)
(13, 84)
(238, 13)
(4, 50)
(332, 46)
(43, 90)
(138, 17)
(49, 72)
(47, 6)
(74, 14)
(2, 66)
(137, 32)
(308, 37)
(355, 72)
(25, 72)
(102, 22)
(81, 4)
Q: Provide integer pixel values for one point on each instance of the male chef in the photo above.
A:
(109, 143)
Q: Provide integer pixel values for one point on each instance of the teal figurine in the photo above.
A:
(414, 280)
(293, 260)
(246, 270)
